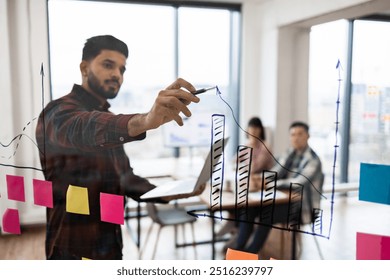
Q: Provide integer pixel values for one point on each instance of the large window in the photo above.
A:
(362, 48)
(325, 84)
(165, 42)
(370, 95)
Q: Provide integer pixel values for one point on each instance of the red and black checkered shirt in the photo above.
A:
(81, 144)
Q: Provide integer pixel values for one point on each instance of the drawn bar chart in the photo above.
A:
(217, 161)
(243, 169)
(317, 221)
(267, 199)
(295, 206)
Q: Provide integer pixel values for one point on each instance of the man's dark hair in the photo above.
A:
(94, 45)
(300, 124)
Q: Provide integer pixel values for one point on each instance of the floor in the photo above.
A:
(350, 216)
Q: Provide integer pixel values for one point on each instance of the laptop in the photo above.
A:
(186, 187)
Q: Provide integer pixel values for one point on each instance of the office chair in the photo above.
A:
(175, 216)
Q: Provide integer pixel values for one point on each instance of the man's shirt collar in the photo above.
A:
(94, 101)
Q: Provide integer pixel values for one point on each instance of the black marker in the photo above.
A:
(202, 90)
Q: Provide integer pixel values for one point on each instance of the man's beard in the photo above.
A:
(95, 86)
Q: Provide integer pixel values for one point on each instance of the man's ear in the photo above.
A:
(84, 68)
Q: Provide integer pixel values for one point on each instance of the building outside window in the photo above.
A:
(365, 103)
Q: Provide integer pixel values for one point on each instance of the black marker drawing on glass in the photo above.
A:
(242, 176)
(14, 144)
(336, 145)
(267, 198)
(218, 162)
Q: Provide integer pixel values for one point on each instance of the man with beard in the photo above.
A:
(81, 144)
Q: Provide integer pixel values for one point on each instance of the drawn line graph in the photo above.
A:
(16, 141)
(267, 199)
(263, 144)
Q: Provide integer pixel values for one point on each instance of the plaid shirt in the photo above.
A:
(81, 144)
(306, 170)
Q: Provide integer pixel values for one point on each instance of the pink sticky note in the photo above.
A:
(43, 193)
(112, 208)
(11, 223)
(15, 187)
(372, 247)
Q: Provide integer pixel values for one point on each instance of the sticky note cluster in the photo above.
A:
(374, 186)
(77, 202)
(43, 193)
(43, 196)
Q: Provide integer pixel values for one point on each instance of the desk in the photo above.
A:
(229, 203)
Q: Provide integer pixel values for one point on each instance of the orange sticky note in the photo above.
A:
(240, 255)
(77, 200)
(11, 222)
(15, 187)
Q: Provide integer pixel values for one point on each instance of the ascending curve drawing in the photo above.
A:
(9, 150)
(15, 143)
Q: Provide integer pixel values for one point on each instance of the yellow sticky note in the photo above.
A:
(77, 200)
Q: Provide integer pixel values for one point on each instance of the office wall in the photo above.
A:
(274, 68)
(276, 34)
